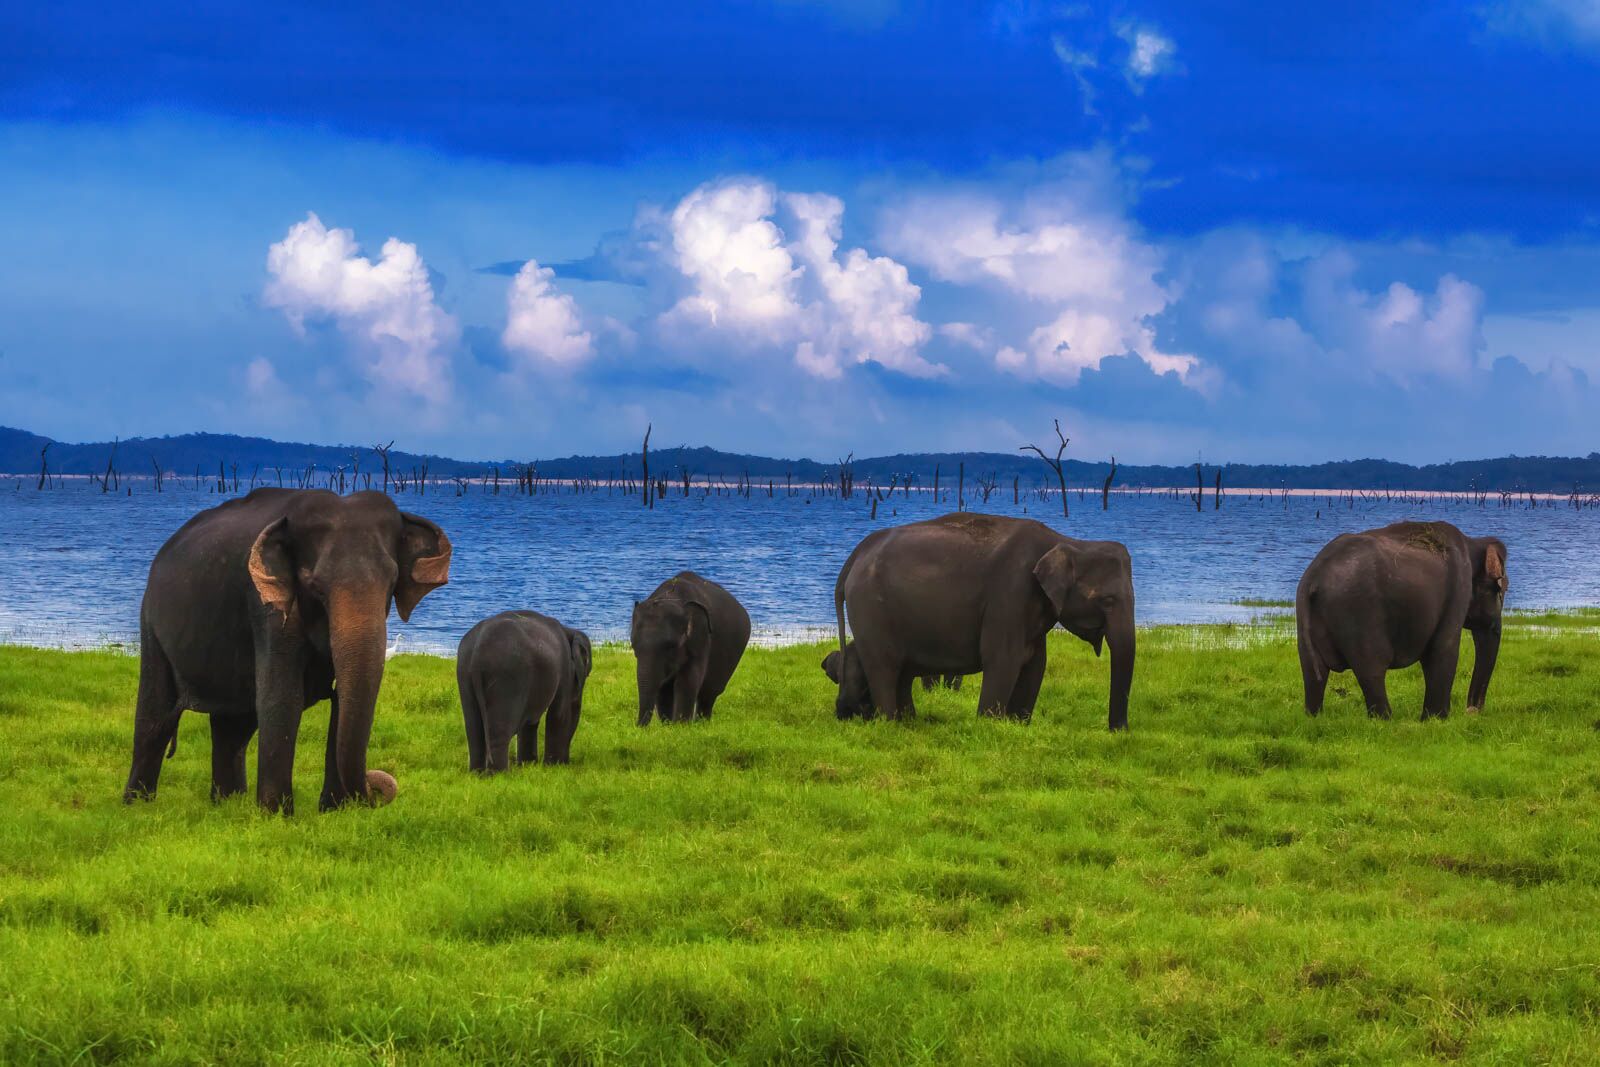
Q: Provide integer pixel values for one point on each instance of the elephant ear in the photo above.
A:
(582, 657)
(1494, 564)
(704, 610)
(424, 563)
(1056, 573)
(272, 566)
(830, 667)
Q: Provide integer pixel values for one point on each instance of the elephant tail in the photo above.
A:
(172, 742)
(838, 602)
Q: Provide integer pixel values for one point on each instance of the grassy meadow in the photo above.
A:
(1228, 882)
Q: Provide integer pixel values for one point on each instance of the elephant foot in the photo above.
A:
(1474, 711)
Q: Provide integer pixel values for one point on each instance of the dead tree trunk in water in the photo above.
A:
(383, 453)
(44, 466)
(961, 487)
(644, 458)
(1216, 492)
(1105, 490)
(1055, 464)
(105, 479)
(1199, 486)
(935, 483)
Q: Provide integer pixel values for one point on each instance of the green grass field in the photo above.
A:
(1228, 882)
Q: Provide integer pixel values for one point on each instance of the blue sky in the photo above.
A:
(1235, 231)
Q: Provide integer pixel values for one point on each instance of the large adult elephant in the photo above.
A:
(1383, 599)
(688, 637)
(259, 608)
(965, 593)
(513, 669)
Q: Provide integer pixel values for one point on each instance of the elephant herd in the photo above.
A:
(261, 607)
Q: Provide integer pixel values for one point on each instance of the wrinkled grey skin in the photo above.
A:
(263, 606)
(860, 700)
(687, 638)
(965, 593)
(513, 669)
(1384, 599)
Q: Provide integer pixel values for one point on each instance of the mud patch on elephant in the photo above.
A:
(1428, 539)
(977, 527)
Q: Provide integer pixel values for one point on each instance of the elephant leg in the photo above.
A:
(528, 742)
(664, 700)
(333, 793)
(686, 690)
(1315, 675)
(275, 760)
(1439, 675)
(1374, 690)
(1026, 693)
(472, 719)
(155, 719)
(706, 703)
(230, 737)
(1002, 664)
(280, 702)
(884, 681)
(560, 723)
(903, 693)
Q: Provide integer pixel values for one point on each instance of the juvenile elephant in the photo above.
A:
(860, 703)
(1383, 599)
(259, 608)
(512, 669)
(688, 636)
(965, 593)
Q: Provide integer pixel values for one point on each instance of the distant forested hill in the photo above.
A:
(185, 454)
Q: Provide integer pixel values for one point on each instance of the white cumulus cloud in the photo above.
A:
(1149, 53)
(386, 306)
(1399, 332)
(543, 324)
(1067, 248)
(763, 288)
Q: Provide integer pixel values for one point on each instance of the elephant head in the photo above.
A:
(844, 670)
(1489, 585)
(1090, 587)
(335, 563)
(582, 655)
(666, 634)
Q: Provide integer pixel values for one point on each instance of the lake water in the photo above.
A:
(74, 560)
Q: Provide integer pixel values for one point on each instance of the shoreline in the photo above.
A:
(723, 486)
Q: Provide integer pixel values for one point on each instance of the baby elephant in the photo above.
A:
(511, 669)
(855, 699)
(1384, 599)
(688, 636)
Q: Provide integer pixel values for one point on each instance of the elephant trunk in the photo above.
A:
(357, 635)
(1120, 636)
(649, 676)
(1486, 649)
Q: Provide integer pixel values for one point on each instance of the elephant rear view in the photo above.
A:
(1384, 599)
(688, 637)
(513, 669)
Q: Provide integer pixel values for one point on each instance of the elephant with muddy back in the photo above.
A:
(1384, 599)
(512, 670)
(261, 607)
(967, 592)
(688, 637)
